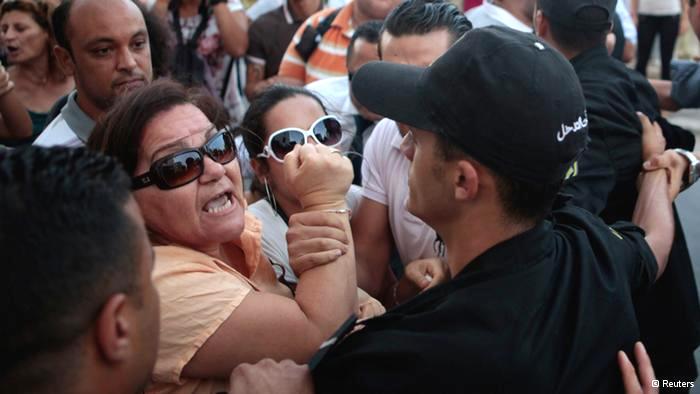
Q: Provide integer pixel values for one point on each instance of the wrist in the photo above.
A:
(326, 206)
(692, 172)
(7, 89)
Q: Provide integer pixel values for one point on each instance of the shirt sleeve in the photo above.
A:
(235, 5)
(256, 53)
(591, 179)
(634, 251)
(373, 184)
(685, 83)
(190, 288)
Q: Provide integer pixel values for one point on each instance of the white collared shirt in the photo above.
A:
(489, 14)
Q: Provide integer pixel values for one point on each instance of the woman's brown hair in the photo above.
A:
(120, 131)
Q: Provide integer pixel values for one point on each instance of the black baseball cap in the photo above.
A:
(583, 15)
(504, 97)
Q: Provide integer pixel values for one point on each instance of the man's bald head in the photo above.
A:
(61, 20)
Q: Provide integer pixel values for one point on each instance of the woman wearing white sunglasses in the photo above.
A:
(221, 304)
(278, 119)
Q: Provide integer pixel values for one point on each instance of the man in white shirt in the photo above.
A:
(414, 33)
(104, 45)
(515, 14)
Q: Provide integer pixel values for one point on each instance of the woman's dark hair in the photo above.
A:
(40, 11)
(253, 126)
(120, 131)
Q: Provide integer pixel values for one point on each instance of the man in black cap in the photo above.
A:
(539, 301)
(603, 180)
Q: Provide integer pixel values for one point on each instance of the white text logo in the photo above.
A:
(566, 129)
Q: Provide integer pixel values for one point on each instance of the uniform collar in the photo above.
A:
(522, 250)
(584, 57)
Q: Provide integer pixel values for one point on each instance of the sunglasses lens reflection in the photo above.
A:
(328, 132)
(181, 168)
(284, 143)
(221, 148)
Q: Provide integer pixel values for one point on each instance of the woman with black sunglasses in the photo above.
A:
(278, 119)
(221, 304)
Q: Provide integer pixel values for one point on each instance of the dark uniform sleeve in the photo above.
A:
(636, 256)
(592, 177)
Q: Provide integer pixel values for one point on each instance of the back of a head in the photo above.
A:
(68, 246)
(368, 31)
(420, 17)
(578, 25)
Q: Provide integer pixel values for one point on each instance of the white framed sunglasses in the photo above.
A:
(325, 130)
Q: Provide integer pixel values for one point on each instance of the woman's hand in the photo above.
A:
(318, 176)
(314, 239)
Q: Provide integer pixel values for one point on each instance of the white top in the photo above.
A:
(489, 14)
(335, 95)
(659, 7)
(629, 29)
(385, 180)
(274, 231)
(71, 128)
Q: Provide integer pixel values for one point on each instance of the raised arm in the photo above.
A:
(270, 326)
(233, 29)
(16, 123)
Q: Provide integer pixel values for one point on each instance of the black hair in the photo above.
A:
(579, 40)
(68, 245)
(119, 132)
(419, 17)
(368, 31)
(59, 23)
(522, 201)
(253, 125)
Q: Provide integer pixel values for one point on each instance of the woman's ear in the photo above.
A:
(260, 168)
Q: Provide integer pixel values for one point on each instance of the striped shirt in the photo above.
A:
(328, 60)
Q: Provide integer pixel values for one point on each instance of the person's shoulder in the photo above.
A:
(319, 16)
(269, 19)
(58, 133)
(262, 210)
(330, 89)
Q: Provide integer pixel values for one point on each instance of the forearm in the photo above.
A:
(663, 91)
(233, 29)
(327, 294)
(653, 212)
(15, 118)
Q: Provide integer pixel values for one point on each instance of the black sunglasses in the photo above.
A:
(183, 167)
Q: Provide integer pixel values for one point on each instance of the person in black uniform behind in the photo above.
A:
(541, 295)
(604, 178)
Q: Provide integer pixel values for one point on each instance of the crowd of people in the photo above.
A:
(381, 196)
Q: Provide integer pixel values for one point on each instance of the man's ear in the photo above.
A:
(113, 330)
(65, 60)
(466, 181)
(540, 23)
